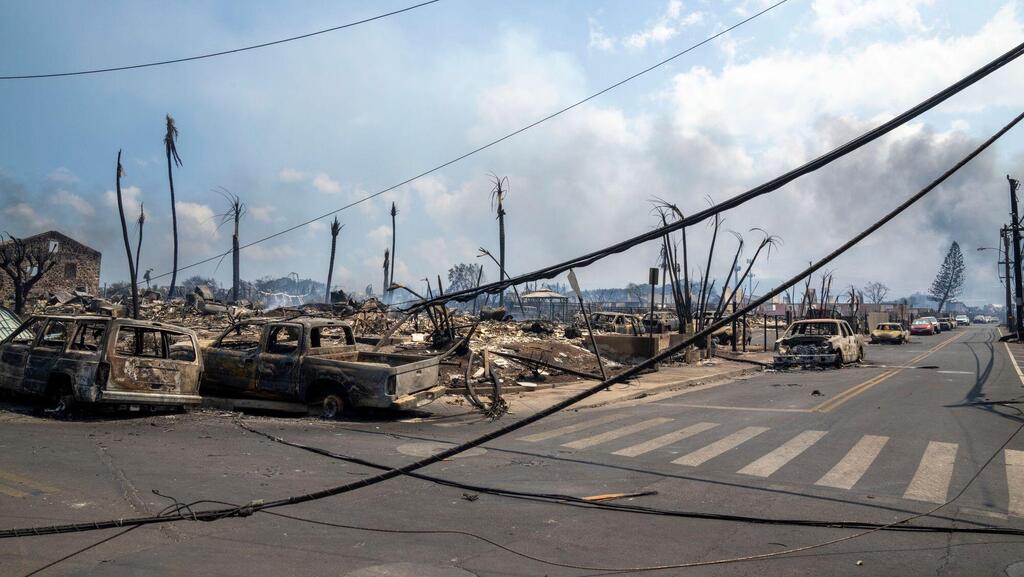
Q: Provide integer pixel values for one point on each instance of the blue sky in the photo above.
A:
(298, 129)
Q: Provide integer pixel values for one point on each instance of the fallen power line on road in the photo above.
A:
(258, 505)
(592, 503)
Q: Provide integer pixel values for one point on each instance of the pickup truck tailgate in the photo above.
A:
(411, 372)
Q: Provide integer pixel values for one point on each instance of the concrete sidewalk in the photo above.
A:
(665, 379)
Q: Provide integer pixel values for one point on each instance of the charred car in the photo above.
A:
(315, 361)
(818, 342)
(101, 360)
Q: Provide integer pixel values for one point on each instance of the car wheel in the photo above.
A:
(333, 406)
(839, 360)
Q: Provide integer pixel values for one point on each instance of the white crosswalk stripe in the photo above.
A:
(1015, 481)
(788, 451)
(616, 433)
(545, 435)
(852, 467)
(715, 449)
(931, 481)
(665, 440)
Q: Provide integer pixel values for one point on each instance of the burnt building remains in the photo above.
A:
(77, 266)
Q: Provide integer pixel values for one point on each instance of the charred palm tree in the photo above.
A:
(705, 291)
(498, 193)
(171, 148)
(768, 242)
(138, 247)
(387, 262)
(127, 243)
(335, 231)
(234, 213)
(725, 286)
(394, 259)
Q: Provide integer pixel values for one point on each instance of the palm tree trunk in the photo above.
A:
(394, 261)
(235, 276)
(174, 228)
(138, 247)
(501, 247)
(330, 267)
(127, 243)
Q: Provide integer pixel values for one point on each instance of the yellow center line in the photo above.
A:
(18, 479)
(829, 405)
(12, 492)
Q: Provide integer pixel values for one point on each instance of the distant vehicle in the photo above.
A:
(98, 359)
(621, 323)
(924, 326)
(664, 322)
(889, 333)
(829, 342)
(993, 319)
(947, 324)
(963, 320)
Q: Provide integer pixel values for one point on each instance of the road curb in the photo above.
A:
(674, 385)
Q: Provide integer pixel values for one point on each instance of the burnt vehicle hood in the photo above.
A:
(806, 340)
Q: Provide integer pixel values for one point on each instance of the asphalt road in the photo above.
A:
(909, 431)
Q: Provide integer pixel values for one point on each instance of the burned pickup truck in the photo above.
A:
(97, 359)
(315, 361)
(818, 342)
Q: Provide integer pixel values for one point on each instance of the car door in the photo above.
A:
(49, 347)
(230, 362)
(849, 341)
(278, 364)
(14, 354)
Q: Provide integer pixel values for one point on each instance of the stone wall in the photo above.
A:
(77, 267)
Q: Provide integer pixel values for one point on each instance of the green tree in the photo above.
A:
(463, 276)
(949, 282)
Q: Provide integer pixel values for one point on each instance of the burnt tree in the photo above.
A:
(24, 265)
(876, 291)
(335, 231)
(498, 194)
(127, 243)
(171, 148)
(234, 213)
(138, 247)
(391, 279)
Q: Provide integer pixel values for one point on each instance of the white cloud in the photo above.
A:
(79, 204)
(669, 24)
(598, 39)
(197, 221)
(63, 175)
(837, 18)
(271, 253)
(28, 218)
(291, 175)
(262, 213)
(881, 78)
(131, 197)
(326, 184)
(316, 229)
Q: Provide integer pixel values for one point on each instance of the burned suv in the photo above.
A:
(818, 342)
(97, 359)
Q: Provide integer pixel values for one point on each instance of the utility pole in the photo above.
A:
(1018, 286)
(1005, 235)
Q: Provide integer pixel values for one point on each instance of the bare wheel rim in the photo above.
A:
(333, 406)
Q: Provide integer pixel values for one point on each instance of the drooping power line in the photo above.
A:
(221, 53)
(489, 144)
